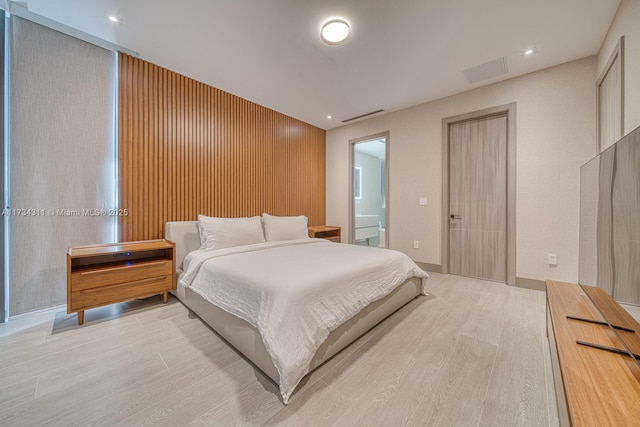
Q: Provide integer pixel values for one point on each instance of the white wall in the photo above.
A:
(555, 136)
(626, 23)
(371, 201)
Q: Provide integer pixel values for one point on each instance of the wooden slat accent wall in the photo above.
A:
(186, 148)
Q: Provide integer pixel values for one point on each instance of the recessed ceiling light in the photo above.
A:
(113, 18)
(529, 51)
(335, 31)
(329, 117)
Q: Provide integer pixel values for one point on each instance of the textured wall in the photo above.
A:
(555, 128)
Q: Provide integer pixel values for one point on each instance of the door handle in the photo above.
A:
(455, 216)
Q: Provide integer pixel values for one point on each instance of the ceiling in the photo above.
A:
(401, 53)
(374, 148)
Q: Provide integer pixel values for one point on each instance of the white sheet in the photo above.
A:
(296, 292)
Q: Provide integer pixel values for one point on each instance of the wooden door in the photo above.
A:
(478, 198)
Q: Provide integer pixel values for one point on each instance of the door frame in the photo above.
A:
(510, 111)
(352, 146)
(4, 166)
(617, 56)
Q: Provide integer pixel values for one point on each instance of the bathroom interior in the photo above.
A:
(369, 192)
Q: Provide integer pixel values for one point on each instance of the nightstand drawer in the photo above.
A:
(120, 273)
(95, 297)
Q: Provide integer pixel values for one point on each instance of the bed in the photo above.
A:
(240, 320)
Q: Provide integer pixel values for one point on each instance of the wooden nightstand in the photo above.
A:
(328, 232)
(99, 275)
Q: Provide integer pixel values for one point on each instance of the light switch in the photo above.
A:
(422, 201)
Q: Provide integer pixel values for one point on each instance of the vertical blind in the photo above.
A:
(62, 158)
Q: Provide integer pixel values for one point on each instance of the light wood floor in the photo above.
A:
(472, 353)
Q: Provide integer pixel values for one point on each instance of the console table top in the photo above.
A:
(601, 387)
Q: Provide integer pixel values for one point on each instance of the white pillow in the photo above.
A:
(284, 227)
(220, 233)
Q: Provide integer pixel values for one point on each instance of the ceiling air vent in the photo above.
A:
(486, 71)
(362, 115)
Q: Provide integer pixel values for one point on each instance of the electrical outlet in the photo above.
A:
(552, 259)
(416, 244)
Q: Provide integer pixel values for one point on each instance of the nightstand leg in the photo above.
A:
(80, 317)
(165, 297)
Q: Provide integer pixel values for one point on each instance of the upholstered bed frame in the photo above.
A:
(246, 339)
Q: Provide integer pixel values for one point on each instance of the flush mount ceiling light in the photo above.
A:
(335, 31)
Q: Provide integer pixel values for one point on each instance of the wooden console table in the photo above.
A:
(593, 387)
(98, 275)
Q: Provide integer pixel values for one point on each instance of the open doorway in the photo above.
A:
(368, 195)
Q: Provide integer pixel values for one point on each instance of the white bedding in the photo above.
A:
(296, 292)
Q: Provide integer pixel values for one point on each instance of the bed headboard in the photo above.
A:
(186, 237)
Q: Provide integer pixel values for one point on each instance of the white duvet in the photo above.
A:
(296, 292)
